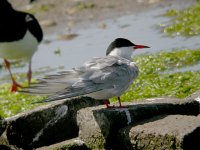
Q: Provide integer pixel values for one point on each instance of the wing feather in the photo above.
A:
(96, 75)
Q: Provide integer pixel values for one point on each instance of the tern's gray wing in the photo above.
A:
(78, 89)
(52, 84)
(96, 75)
(99, 63)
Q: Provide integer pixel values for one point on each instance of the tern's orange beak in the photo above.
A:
(140, 46)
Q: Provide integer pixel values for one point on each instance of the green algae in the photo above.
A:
(155, 63)
(83, 5)
(177, 85)
(153, 81)
(184, 22)
(14, 103)
(39, 8)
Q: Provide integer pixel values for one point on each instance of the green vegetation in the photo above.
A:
(84, 5)
(184, 22)
(177, 85)
(153, 81)
(40, 8)
(79, 7)
(13, 103)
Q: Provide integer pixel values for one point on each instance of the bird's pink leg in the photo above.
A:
(107, 102)
(120, 104)
(14, 84)
(29, 74)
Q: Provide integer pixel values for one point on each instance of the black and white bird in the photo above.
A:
(99, 78)
(20, 35)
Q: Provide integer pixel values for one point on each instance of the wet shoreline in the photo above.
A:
(141, 27)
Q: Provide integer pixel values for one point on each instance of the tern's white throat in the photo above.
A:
(125, 52)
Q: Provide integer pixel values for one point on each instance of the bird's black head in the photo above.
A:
(117, 43)
(121, 42)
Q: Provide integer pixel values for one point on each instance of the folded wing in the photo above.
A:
(96, 75)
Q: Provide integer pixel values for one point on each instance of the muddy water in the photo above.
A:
(140, 28)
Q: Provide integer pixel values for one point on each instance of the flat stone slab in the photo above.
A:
(2, 125)
(48, 124)
(4, 147)
(194, 96)
(98, 126)
(72, 144)
(161, 133)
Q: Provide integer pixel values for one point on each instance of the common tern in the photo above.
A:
(99, 78)
(20, 35)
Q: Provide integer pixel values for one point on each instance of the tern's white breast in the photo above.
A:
(103, 94)
(21, 49)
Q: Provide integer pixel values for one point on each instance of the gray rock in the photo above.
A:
(4, 147)
(2, 125)
(48, 124)
(72, 144)
(194, 96)
(162, 133)
(98, 127)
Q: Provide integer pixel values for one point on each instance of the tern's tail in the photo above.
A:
(59, 91)
(51, 84)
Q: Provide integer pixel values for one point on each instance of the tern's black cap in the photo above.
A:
(117, 43)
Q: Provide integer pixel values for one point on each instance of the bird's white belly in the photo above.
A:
(117, 90)
(103, 94)
(22, 49)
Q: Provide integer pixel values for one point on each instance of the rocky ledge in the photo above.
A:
(85, 123)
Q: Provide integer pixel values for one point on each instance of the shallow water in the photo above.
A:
(140, 28)
(185, 69)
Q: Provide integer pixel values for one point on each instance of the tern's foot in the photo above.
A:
(122, 106)
(116, 107)
(15, 86)
(107, 103)
(108, 106)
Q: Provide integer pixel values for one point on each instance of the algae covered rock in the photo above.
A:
(162, 132)
(2, 125)
(48, 124)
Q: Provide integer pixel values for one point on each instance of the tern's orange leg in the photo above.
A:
(14, 84)
(120, 104)
(107, 102)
